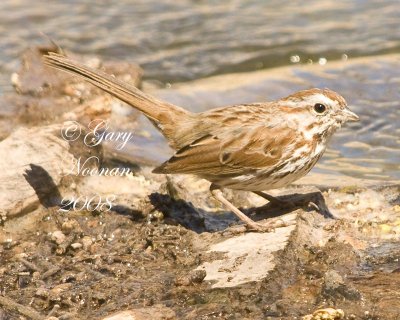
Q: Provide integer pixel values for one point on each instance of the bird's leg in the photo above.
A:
(217, 193)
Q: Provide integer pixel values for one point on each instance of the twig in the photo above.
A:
(11, 305)
(66, 316)
(53, 311)
(50, 272)
(30, 265)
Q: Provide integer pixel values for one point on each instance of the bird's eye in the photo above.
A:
(319, 108)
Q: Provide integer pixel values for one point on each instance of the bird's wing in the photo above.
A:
(235, 152)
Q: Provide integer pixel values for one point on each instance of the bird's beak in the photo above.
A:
(350, 116)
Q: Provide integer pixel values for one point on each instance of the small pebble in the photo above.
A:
(86, 242)
(70, 225)
(42, 292)
(58, 236)
(76, 245)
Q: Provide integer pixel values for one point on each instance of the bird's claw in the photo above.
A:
(313, 205)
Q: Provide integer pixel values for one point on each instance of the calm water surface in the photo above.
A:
(176, 41)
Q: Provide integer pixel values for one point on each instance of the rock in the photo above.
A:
(325, 314)
(42, 293)
(247, 257)
(76, 245)
(22, 162)
(37, 79)
(45, 95)
(58, 237)
(130, 192)
(70, 226)
(195, 276)
(55, 294)
(157, 312)
(86, 242)
(334, 286)
(33, 163)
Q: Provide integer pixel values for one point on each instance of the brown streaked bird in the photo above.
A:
(253, 147)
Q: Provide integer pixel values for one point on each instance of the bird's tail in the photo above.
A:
(162, 114)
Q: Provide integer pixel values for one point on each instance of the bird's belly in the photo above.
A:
(260, 180)
(250, 182)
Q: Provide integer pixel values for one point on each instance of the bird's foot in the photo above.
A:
(269, 226)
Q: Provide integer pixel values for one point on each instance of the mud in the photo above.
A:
(82, 264)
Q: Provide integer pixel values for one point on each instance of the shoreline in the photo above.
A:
(159, 247)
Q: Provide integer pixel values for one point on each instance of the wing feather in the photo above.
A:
(231, 154)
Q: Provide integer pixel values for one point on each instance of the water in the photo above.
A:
(177, 41)
(368, 149)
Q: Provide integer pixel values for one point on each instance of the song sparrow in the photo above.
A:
(254, 147)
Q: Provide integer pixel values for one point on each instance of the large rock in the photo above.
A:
(32, 166)
(247, 257)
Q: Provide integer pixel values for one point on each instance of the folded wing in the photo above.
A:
(232, 153)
